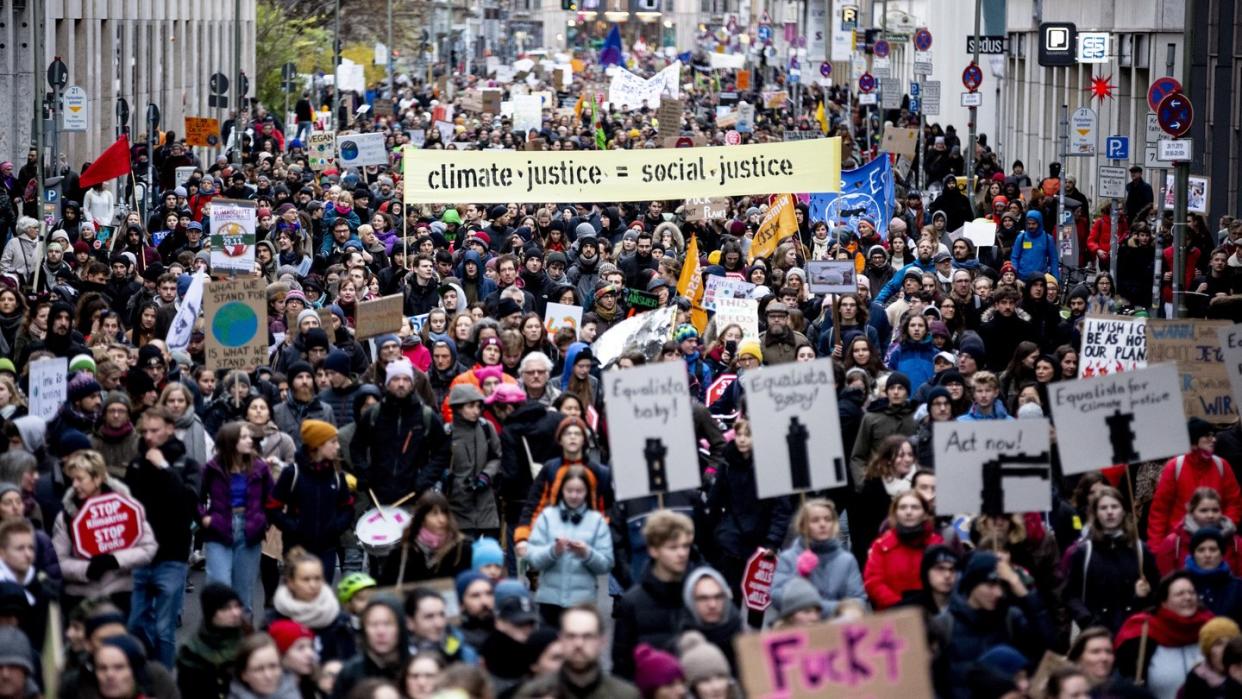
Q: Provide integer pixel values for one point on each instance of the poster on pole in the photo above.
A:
(993, 467)
(49, 386)
(362, 149)
(232, 236)
(651, 431)
(378, 316)
(832, 276)
(793, 412)
(202, 131)
(724, 288)
(879, 656)
(1194, 346)
(321, 149)
(1119, 419)
(236, 313)
(1111, 345)
(562, 315)
(742, 312)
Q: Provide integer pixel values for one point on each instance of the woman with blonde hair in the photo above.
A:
(817, 555)
(189, 427)
(12, 401)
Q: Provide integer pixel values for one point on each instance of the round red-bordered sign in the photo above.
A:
(107, 523)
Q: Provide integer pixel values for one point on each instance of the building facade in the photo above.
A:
(160, 52)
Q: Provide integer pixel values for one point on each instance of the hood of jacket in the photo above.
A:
(33, 431)
(687, 593)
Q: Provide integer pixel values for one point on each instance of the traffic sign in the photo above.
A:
(866, 83)
(1111, 182)
(972, 77)
(1175, 151)
(764, 33)
(914, 89)
(1175, 114)
(881, 48)
(219, 84)
(1161, 88)
(289, 71)
(153, 115)
(1151, 157)
(825, 69)
(915, 105)
(922, 63)
(1082, 135)
(122, 111)
(972, 99)
(923, 39)
(732, 137)
(1117, 148)
(76, 113)
(1154, 132)
(57, 73)
(890, 89)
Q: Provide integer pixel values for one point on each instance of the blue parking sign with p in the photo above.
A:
(1117, 148)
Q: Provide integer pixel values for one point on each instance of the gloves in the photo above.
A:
(482, 482)
(100, 565)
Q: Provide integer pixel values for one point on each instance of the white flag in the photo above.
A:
(183, 325)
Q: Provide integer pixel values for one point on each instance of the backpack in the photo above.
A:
(1181, 460)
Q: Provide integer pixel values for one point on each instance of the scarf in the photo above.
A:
(897, 486)
(1164, 627)
(113, 435)
(314, 615)
(606, 315)
(212, 648)
(912, 535)
(7, 575)
(430, 540)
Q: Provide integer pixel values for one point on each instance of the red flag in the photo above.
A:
(110, 164)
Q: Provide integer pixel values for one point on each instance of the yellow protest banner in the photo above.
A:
(690, 284)
(202, 131)
(434, 176)
(778, 223)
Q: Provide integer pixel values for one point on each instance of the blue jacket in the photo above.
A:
(973, 415)
(894, 285)
(836, 577)
(1035, 254)
(566, 579)
(914, 359)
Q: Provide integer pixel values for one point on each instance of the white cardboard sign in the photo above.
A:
(1111, 346)
(49, 386)
(362, 149)
(993, 466)
(651, 431)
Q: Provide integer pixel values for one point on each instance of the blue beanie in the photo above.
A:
(183, 284)
(1004, 660)
(487, 551)
(466, 578)
(338, 361)
(684, 332)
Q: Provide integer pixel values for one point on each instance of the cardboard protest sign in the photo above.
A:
(49, 386)
(900, 140)
(362, 149)
(1230, 337)
(107, 523)
(775, 99)
(793, 412)
(669, 114)
(718, 287)
(378, 316)
(640, 301)
(527, 113)
(321, 149)
(1118, 419)
(236, 313)
(232, 235)
(709, 209)
(202, 131)
(383, 106)
(1111, 345)
(993, 467)
(1195, 348)
(651, 431)
(881, 656)
(832, 276)
(743, 312)
(561, 315)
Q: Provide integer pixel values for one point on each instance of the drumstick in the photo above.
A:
(404, 500)
(378, 506)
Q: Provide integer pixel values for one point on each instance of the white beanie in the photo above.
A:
(398, 367)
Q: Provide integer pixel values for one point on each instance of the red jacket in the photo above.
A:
(1171, 553)
(1199, 470)
(1101, 230)
(893, 567)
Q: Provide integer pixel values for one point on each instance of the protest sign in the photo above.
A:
(527, 113)
(560, 315)
(1118, 419)
(447, 133)
(880, 656)
(645, 332)
(107, 523)
(724, 287)
(321, 149)
(669, 114)
(727, 61)
(232, 236)
(705, 209)
(757, 581)
(865, 192)
(1230, 337)
(651, 431)
(482, 101)
(383, 106)
(620, 175)
(775, 99)
(1112, 345)
(49, 386)
(236, 314)
(717, 390)
(181, 175)
(378, 316)
(784, 400)
(901, 141)
(1194, 346)
(639, 301)
(981, 232)
(202, 131)
(362, 149)
(742, 312)
(832, 276)
(628, 92)
(993, 467)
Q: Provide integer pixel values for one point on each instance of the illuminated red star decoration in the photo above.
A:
(1102, 88)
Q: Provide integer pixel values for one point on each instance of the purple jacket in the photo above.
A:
(214, 501)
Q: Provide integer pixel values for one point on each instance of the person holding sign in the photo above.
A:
(106, 574)
(1110, 570)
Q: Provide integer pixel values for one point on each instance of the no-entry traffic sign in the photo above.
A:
(1161, 88)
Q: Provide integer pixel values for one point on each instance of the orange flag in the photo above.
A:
(777, 224)
(690, 285)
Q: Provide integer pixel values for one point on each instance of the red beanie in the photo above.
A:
(659, 669)
(286, 632)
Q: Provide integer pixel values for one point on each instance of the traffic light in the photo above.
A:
(569, 5)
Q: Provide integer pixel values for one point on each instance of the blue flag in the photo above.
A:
(866, 192)
(610, 52)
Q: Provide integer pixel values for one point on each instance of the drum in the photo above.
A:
(380, 532)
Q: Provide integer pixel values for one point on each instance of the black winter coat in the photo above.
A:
(529, 434)
(969, 633)
(311, 505)
(169, 496)
(412, 455)
(1104, 594)
(651, 612)
(745, 521)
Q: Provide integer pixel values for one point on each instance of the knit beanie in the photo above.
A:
(659, 669)
(306, 313)
(70, 441)
(466, 578)
(114, 397)
(81, 385)
(486, 551)
(396, 368)
(7, 366)
(750, 347)
(316, 433)
(684, 332)
(568, 422)
(1030, 410)
(216, 596)
(1004, 660)
(316, 338)
(981, 568)
(6, 488)
(15, 649)
(82, 362)
(700, 659)
(338, 361)
(1221, 628)
(798, 594)
(1205, 533)
(286, 632)
(1198, 429)
(898, 379)
(934, 556)
(300, 367)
